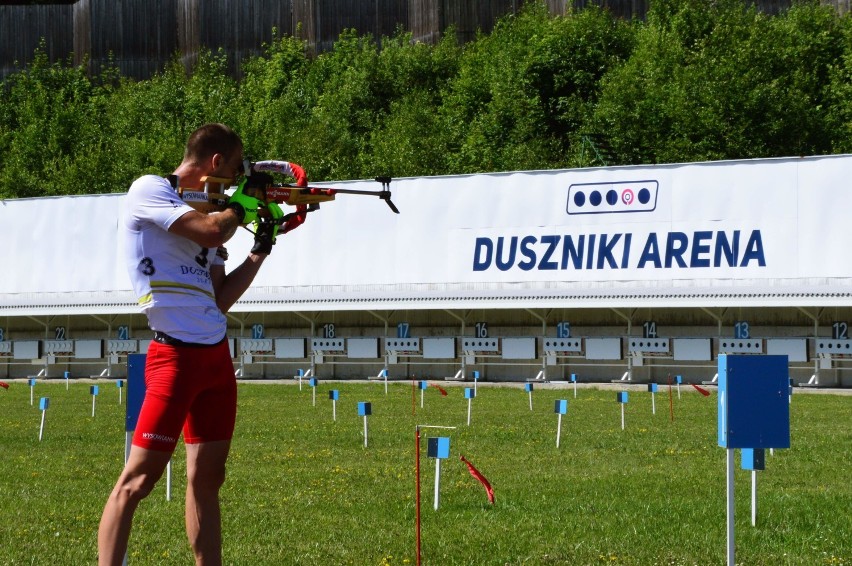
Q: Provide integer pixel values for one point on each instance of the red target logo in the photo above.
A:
(627, 196)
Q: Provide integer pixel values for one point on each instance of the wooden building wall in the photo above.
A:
(143, 35)
(23, 27)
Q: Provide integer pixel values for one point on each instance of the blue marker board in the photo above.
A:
(135, 389)
(753, 403)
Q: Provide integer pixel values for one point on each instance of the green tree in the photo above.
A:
(524, 92)
(722, 81)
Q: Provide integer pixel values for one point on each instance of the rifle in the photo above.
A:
(261, 185)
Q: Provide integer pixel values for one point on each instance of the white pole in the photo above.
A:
(169, 481)
(437, 480)
(530, 400)
(575, 389)
(128, 438)
(93, 404)
(678, 390)
(314, 395)
(468, 411)
(31, 395)
(558, 428)
(41, 428)
(386, 381)
(300, 381)
(730, 513)
(334, 410)
(365, 431)
(653, 404)
(421, 397)
(754, 498)
(119, 395)
(622, 416)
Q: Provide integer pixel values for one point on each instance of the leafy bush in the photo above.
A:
(721, 80)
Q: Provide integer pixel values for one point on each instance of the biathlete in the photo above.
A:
(176, 263)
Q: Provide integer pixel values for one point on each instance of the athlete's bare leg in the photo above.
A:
(205, 474)
(144, 467)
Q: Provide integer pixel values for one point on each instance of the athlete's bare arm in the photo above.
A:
(229, 288)
(207, 230)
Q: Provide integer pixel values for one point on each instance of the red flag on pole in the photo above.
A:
(701, 390)
(4, 385)
(475, 473)
(441, 389)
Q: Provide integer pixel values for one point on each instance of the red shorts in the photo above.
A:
(189, 388)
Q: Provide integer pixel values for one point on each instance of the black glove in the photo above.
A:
(264, 237)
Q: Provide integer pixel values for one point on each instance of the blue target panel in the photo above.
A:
(621, 396)
(469, 393)
(652, 387)
(753, 459)
(135, 390)
(43, 403)
(573, 377)
(424, 385)
(528, 387)
(561, 406)
(365, 408)
(119, 383)
(32, 382)
(438, 447)
(334, 394)
(93, 389)
(312, 382)
(753, 404)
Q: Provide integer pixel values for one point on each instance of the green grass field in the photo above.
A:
(303, 489)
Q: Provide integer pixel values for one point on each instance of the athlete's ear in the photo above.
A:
(216, 160)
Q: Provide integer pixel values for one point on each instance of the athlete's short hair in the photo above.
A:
(209, 140)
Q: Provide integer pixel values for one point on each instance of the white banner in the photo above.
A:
(721, 230)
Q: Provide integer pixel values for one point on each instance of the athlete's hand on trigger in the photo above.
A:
(266, 228)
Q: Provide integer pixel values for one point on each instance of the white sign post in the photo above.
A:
(43, 404)
(364, 410)
(621, 397)
(560, 408)
(469, 394)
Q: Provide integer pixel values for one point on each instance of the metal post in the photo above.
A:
(558, 428)
(754, 498)
(437, 480)
(730, 513)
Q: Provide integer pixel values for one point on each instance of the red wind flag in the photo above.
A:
(475, 473)
(701, 390)
(441, 389)
(4, 385)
